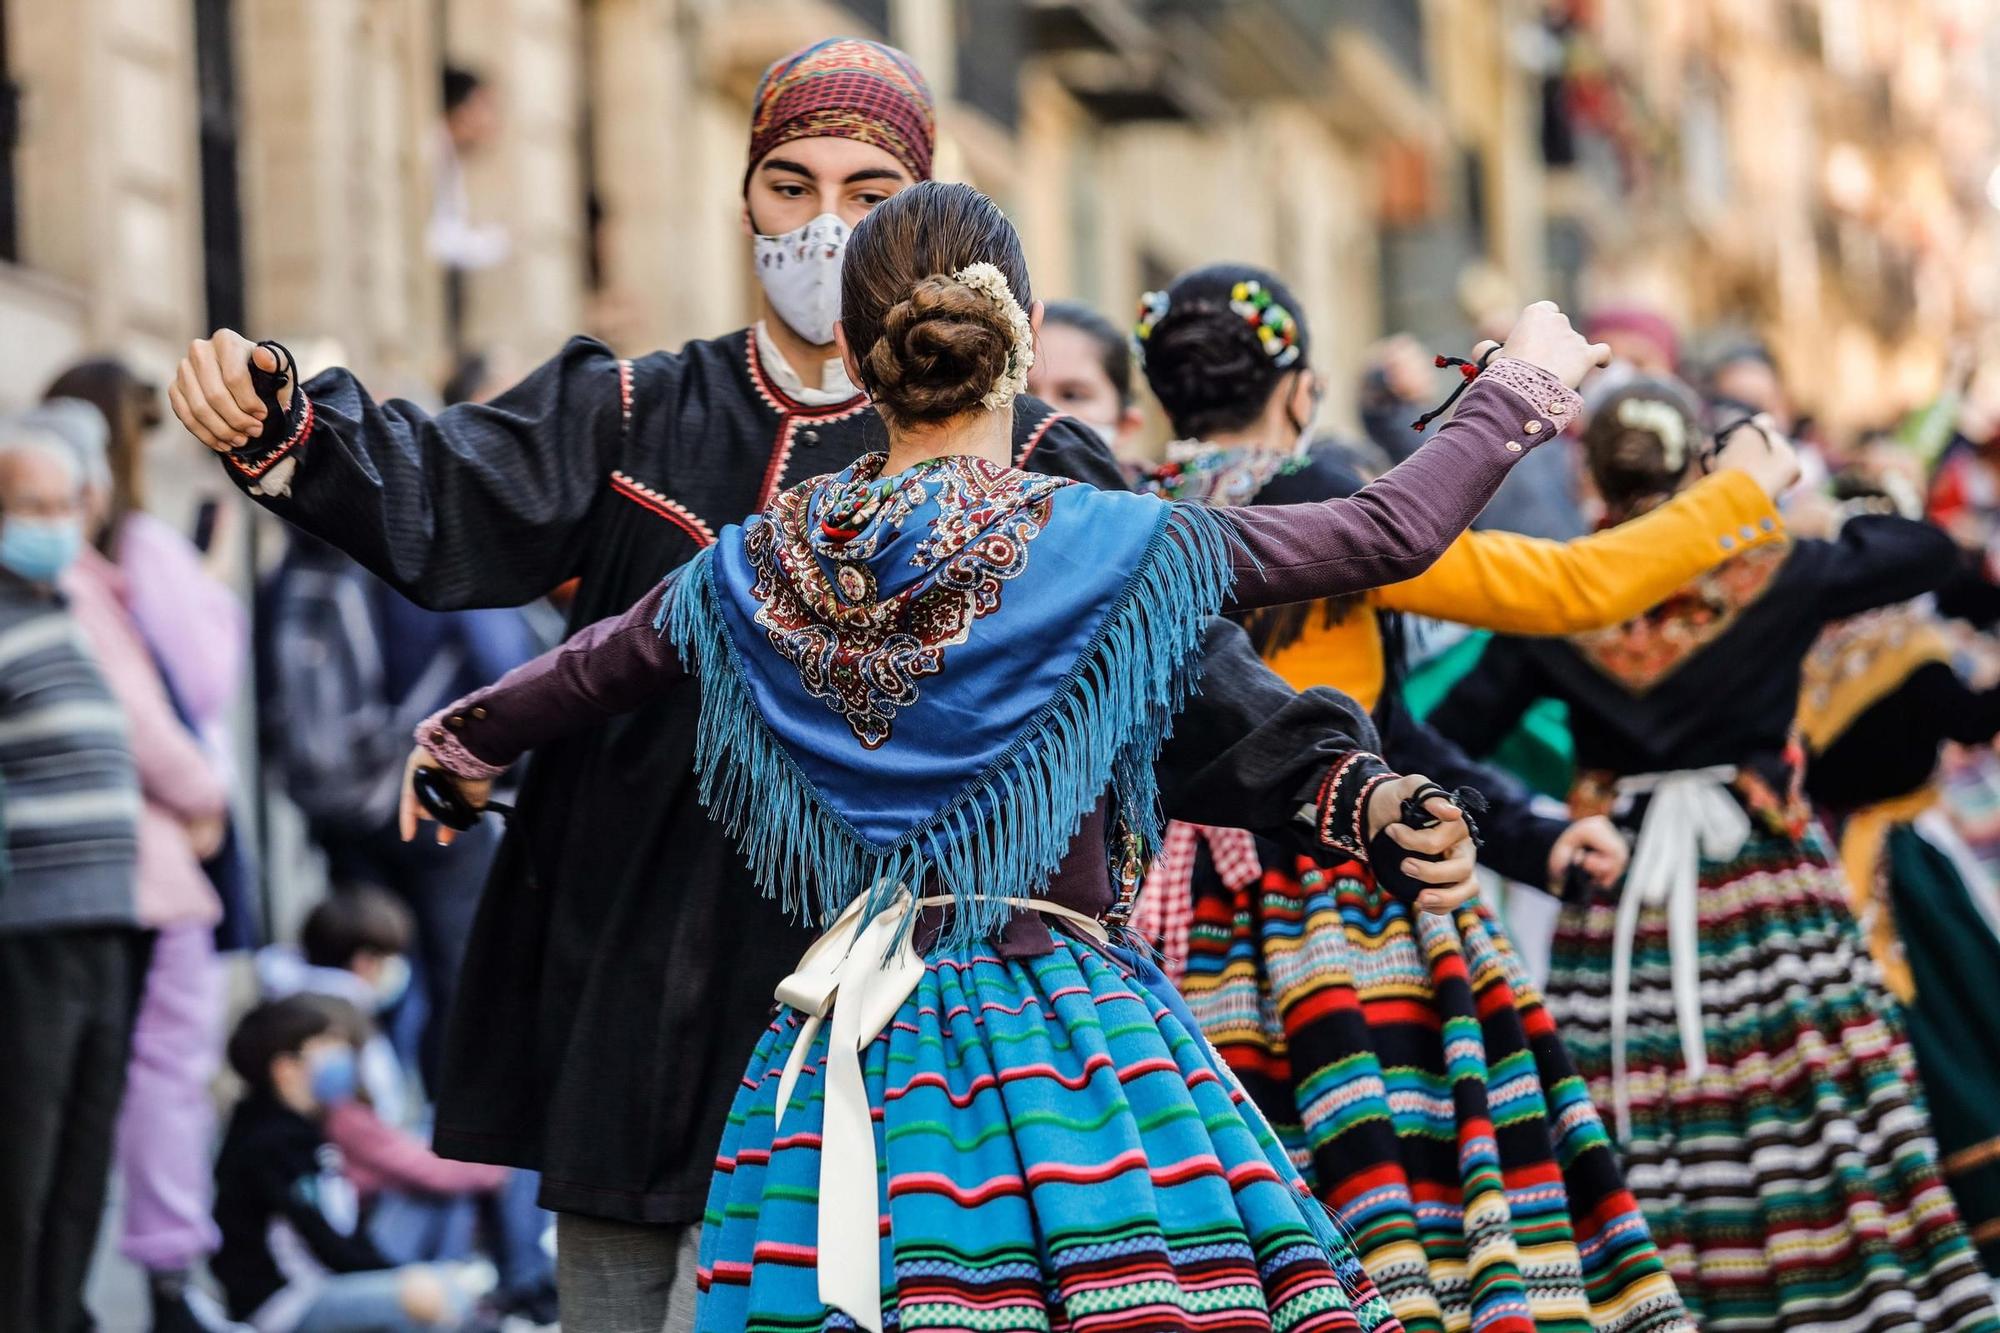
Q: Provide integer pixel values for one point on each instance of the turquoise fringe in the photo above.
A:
(1008, 830)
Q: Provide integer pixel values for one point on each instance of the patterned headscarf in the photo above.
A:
(846, 88)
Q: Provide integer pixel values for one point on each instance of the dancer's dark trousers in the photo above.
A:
(625, 1277)
(67, 1003)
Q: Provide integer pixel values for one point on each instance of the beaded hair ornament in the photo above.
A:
(1277, 332)
(990, 282)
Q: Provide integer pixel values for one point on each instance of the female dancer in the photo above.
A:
(1721, 1002)
(932, 688)
(1423, 1087)
(1878, 699)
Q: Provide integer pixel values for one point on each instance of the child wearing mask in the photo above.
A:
(294, 1258)
(419, 1207)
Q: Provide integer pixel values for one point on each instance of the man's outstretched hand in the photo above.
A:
(212, 393)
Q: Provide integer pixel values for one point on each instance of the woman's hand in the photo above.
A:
(1450, 839)
(476, 792)
(212, 394)
(1542, 336)
(1596, 845)
(1757, 447)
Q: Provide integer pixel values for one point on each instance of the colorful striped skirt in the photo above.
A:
(1796, 1185)
(1058, 1151)
(1419, 1084)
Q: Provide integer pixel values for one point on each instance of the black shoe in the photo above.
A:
(537, 1305)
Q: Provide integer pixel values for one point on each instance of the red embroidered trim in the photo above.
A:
(774, 471)
(783, 403)
(1355, 843)
(264, 462)
(1035, 437)
(1361, 811)
(670, 509)
(625, 392)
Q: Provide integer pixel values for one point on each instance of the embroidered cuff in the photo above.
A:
(1342, 803)
(442, 734)
(1553, 403)
(256, 459)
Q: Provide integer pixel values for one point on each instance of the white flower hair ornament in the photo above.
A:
(991, 283)
(1664, 421)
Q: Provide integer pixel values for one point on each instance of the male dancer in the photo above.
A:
(623, 963)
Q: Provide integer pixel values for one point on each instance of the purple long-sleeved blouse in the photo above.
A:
(1389, 531)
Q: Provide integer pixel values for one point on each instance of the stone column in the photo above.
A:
(109, 185)
(340, 105)
(530, 180)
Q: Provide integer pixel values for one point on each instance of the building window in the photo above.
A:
(10, 137)
(221, 209)
(992, 42)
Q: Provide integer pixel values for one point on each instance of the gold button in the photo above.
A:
(456, 722)
(437, 734)
(479, 713)
(1533, 428)
(1514, 445)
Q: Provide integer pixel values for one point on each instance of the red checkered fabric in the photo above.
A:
(1164, 913)
(846, 88)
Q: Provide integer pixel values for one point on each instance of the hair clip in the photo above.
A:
(1276, 330)
(1152, 309)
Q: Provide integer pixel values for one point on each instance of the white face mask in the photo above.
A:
(1108, 434)
(801, 274)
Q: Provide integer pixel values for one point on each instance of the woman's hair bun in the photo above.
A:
(1207, 369)
(1640, 441)
(940, 351)
(1204, 357)
(930, 346)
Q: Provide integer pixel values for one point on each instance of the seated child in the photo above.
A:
(418, 1206)
(294, 1258)
(354, 946)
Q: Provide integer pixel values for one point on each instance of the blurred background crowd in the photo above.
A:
(1793, 204)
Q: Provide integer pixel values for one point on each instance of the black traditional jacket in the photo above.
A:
(623, 961)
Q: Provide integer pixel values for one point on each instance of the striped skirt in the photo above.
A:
(1796, 1186)
(1058, 1150)
(1420, 1086)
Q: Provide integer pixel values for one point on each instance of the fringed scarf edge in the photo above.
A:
(1009, 828)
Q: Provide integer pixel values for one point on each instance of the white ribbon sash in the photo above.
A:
(857, 964)
(1691, 815)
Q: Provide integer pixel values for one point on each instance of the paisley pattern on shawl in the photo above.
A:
(1647, 649)
(930, 678)
(820, 601)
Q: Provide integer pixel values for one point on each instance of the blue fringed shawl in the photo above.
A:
(931, 679)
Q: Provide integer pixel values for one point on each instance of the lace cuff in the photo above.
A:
(1543, 393)
(440, 733)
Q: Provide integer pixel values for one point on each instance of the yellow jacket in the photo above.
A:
(1512, 584)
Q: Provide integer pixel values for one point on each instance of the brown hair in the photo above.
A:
(127, 402)
(929, 347)
(352, 918)
(1634, 466)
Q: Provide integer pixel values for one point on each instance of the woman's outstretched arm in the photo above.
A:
(602, 670)
(1395, 527)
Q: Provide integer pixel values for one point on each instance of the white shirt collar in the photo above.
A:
(837, 388)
